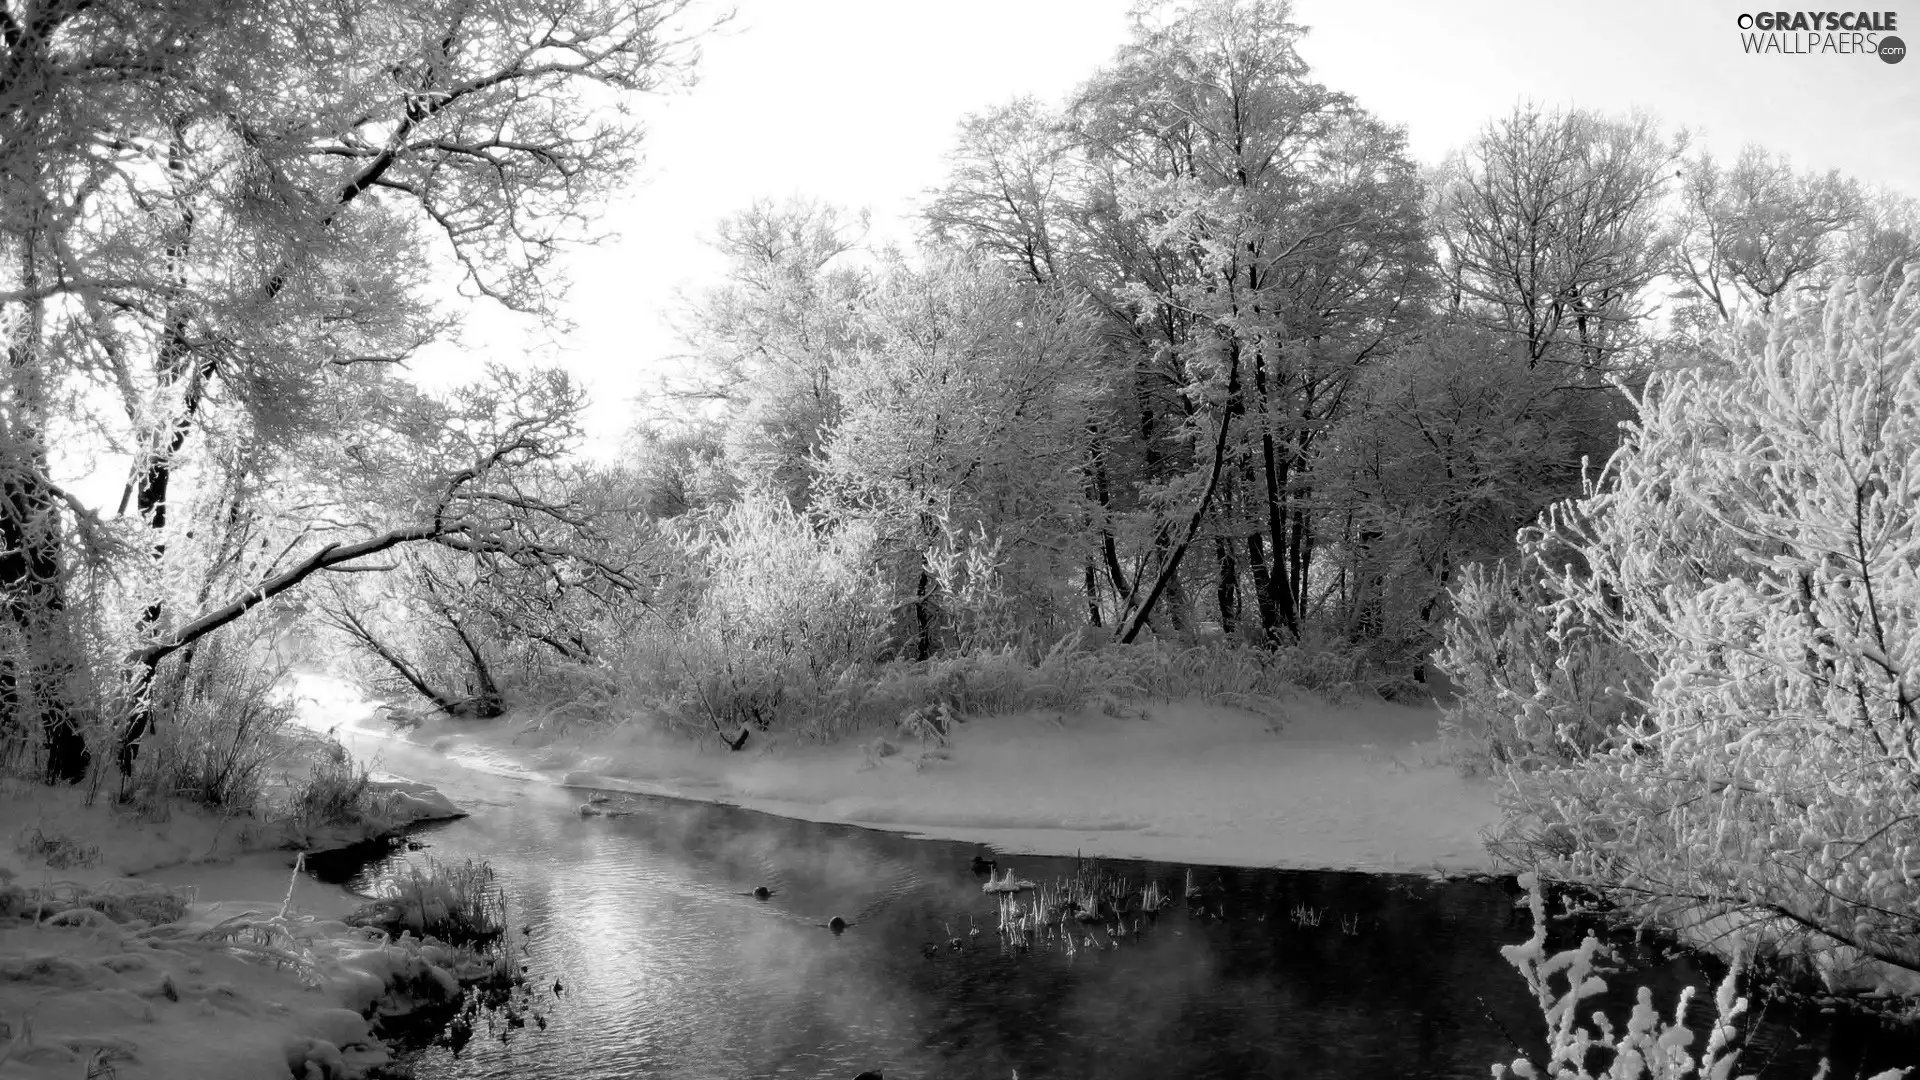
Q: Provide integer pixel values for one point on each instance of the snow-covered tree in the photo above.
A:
(1750, 232)
(962, 440)
(1451, 444)
(218, 222)
(1550, 226)
(766, 345)
(1253, 238)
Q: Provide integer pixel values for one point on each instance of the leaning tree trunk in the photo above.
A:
(486, 701)
(483, 706)
(1170, 567)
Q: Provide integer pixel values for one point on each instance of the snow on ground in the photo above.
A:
(1358, 787)
(102, 841)
(192, 998)
(92, 970)
(161, 1002)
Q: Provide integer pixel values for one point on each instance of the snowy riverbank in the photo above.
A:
(1358, 787)
(170, 946)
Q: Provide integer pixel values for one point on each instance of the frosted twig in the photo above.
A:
(299, 864)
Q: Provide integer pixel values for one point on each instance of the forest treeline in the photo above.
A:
(1202, 352)
(1195, 382)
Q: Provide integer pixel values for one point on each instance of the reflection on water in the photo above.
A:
(672, 968)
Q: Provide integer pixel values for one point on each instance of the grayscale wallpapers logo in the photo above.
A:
(1820, 33)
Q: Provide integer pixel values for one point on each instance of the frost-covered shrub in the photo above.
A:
(1529, 693)
(337, 791)
(1246, 677)
(58, 850)
(772, 621)
(1649, 1046)
(1756, 544)
(217, 725)
(455, 902)
(773, 617)
(968, 574)
(1327, 666)
(798, 595)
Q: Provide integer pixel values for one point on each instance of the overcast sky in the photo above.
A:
(857, 101)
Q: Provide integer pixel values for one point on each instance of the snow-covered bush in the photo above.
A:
(1528, 694)
(1756, 544)
(455, 902)
(336, 791)
(1649, 1046)
(1247, 677)
(773, 616)
(701, 670)
(217, 725)
(969, 573)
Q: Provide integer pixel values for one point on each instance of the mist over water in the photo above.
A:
(670, 967)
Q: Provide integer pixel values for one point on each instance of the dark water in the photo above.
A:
(671, 969)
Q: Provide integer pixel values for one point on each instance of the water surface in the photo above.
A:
(670, 968)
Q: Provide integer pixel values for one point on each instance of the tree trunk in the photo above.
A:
(1177, 606)
(1228, 591)
(923, 615)
(486, 701)
(1109, 550)
(1262, 586)
(1368, 619)
(1299, 561)
(1275, 468)
(350, 623)
(35, 680)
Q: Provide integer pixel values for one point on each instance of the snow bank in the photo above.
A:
(176, 974)
(233, 990)
(1360, 787)
(395, 804)
(41, 825)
